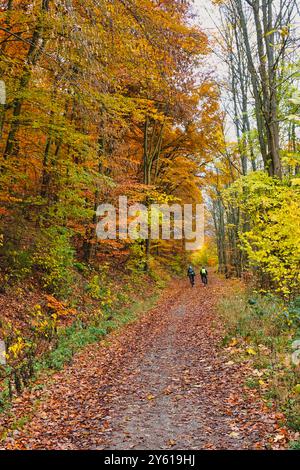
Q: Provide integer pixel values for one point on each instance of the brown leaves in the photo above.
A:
(160, 383)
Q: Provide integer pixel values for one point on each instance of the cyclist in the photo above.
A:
(204, 274)
(191, 275)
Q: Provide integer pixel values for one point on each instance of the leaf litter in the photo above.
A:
(162, 382)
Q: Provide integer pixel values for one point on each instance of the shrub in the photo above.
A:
(71, 340)
(16, 262)
(264, 326)
(270, 209)
(137, 260)
(54, 257)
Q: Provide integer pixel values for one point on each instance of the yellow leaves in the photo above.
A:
(17, 348)
(272, 210)
(297, 389)
(7, 198)
(44, 324)
(233, 342)
(150, 397)
(284, 31)
(251, 352)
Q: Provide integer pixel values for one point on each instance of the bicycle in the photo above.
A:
(192, 279)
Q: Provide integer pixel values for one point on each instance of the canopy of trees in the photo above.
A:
(103, 98)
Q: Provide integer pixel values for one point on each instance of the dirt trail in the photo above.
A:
(161, 383)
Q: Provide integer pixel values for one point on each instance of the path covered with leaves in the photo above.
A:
(163, 382)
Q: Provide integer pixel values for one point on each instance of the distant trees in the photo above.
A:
(258, 40)
(101, 100)
(261, 43)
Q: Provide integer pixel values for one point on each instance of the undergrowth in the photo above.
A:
(57, 329)
(261, 329)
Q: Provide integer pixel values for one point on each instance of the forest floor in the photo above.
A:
(163, 382)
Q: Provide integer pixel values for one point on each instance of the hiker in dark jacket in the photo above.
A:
(191, 275)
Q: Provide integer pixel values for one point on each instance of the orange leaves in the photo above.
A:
(59, 308)
(150, 397)
(3, 211)
(78, 135)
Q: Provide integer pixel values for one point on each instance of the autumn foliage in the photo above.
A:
(102, 99)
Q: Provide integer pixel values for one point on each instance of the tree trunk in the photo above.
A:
(31, 60)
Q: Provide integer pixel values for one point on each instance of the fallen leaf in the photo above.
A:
(171, 443)
(251, 351)
(150, 397)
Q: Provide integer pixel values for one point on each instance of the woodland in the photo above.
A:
(105, 98)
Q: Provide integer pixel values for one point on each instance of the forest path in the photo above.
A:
(162, 382)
